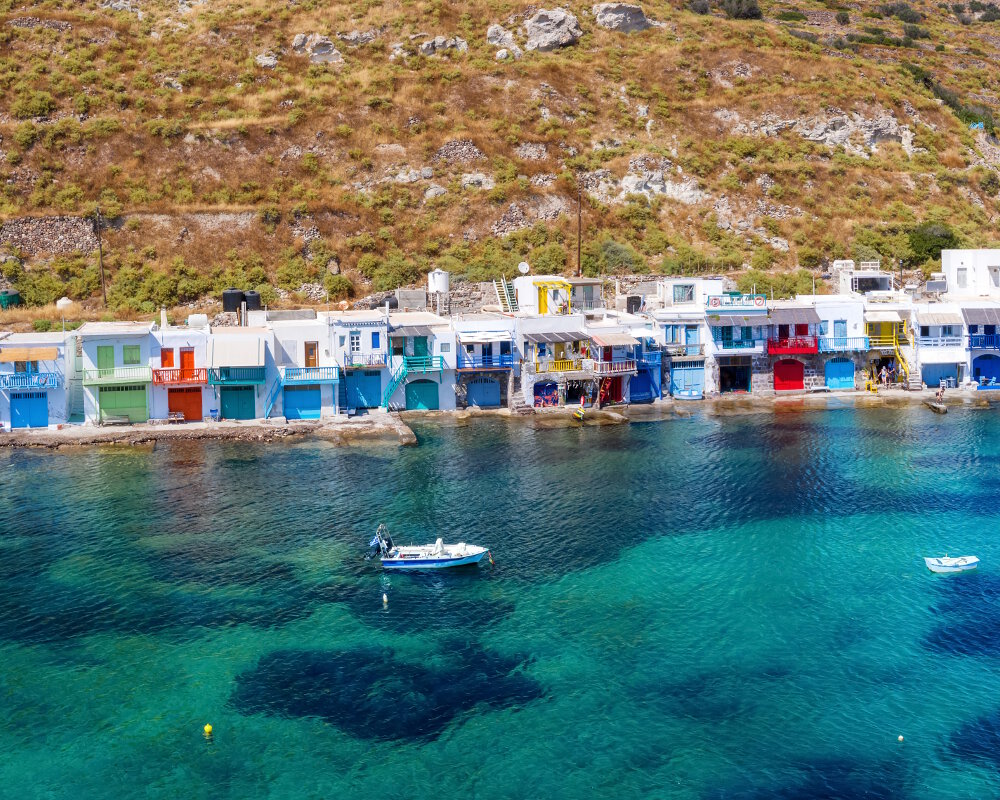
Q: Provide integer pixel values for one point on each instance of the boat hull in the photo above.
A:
(944, 565)
(431, 562)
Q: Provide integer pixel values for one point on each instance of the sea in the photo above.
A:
(702, 608)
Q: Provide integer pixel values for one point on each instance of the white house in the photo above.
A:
(422, 360)
(360, 342)
(36, 372)
(116, 371)
(306, 360)
(179, 360)
(486, 361)
(971, 273)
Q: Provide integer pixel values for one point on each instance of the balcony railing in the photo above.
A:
(842, 344)
(292, 375)
(500, 361)
(236, 376)
(939, 341)
(686, 349)
(617, 366)
(792, 345)
(739, 344)
(162, 377)
(363, 360)
(117, 375)
(30, 380)
(984, 341)
(653, 358)
(423, 363)
(558, 365)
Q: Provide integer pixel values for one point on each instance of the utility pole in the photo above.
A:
(579, 224)
(100, 254)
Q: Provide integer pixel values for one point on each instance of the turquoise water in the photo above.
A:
(703, 608)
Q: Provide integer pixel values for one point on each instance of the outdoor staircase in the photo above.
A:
(506, 295)
(272, 397)
(394, 383)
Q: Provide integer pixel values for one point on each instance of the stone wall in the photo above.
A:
(49, 235)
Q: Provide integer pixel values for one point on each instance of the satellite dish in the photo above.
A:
(523, 268)
(63, 303)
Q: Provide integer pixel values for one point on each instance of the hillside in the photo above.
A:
(354, 146)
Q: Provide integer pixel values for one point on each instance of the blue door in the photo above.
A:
(484, 393)
(364, 388)
(840, 373)
(29, 410)
(687, 375)
(840, 333)
(640, 388)
(302, 402)
(986, 370)
(691, 340)
(422, 396)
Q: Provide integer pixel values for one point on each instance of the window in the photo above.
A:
(376, 341)
(962, 277)
(684, 293)
(445, 347)
(398, 346)
(746, 333)
(355, 342)
(946, 330)
(824, 327)
(925, 330)
(343, 339)
(995, 275)
(25, 366)
(167, 358)
(973, 329)
(130, 354)
(470, 349)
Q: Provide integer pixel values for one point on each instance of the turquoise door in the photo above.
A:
(484, 393)
(302, 402)
(687, 376)
(422, 396)
(238, 402)
(840, 373)
(29, 410)
(420, 346)
(364, 388)
(840, 332)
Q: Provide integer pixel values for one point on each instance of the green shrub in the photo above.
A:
(929, 239)
(792, 16)
(38, 288)
(843, 18)
(338, 287)
(33, 104)
(42, 325)
(605, 256)
(549, 259)
(741, 9)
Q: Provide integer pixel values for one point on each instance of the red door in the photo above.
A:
(187, 364)
(789, 375)
(187, 402)
(802, 330)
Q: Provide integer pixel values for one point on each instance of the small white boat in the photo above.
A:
(426, 556)
(688, 394)
(957, 564)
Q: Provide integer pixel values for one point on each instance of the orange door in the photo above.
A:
(167, 358)
(187, 402)
(311, 360)
(187, 364)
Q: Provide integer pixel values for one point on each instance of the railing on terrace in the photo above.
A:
(617, 366)
(558, 365)
(30, 380)
(355, 360)
(792, 345)
(653, 358)
(162, 377)
(738, 344)
(118, 375)
(310, 375)
(235, 376)
(679, 349)
(984, 341)
(423, 363)
(500, 361)
(842, 344)
(939, 341)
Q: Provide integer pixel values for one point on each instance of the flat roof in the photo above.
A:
(54, 337)
(115, 328)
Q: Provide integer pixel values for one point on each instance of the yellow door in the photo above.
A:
(543, 300)
(560, 351)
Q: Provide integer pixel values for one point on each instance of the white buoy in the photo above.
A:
(900, 738)
(385, 599)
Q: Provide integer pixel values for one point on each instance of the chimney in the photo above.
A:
(163, 317)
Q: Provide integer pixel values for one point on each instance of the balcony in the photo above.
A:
(30, 380)
(423, 363)
(558, 365)
(739, 344)
(365, 361)
(501, 361)
(291, 376)
(616, 366)
(677, 349)
(939, 341)
(984, 341)
(113, 375)
(792, 346)
(236, 376)
(653, 358)
(180, 377)
(843, 344)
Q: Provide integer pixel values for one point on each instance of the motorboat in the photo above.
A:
(688, 394)
(426, 556)
(956, 564)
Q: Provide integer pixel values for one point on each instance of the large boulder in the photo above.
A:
(320, 49)
(620, 17)
(501, 37)
(441, 43)
(551, 29)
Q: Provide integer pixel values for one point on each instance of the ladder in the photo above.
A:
(605, 391)
(506, 295)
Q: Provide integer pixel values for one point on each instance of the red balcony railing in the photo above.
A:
(793, 346)
(190, 377)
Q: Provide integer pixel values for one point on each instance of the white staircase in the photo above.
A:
(506, 296)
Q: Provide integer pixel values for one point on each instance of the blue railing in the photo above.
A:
(651, 358)
(30, 380)
(984, 341)
(842, 344)
(310, 375)
(236, 376)
(501, 361)
(739, 344)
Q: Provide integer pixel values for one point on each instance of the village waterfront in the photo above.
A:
(717, 607)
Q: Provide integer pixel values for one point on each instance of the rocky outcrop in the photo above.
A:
(621, 17)
(500, 37)
(320, 49)
(439, 44)
(358, 38)
(551, 29)
(477, 180)
(458, 151)
(513, 219)
(266, 60)
(49, 235)
(531, 151)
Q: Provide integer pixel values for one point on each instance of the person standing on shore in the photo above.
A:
(884, 377)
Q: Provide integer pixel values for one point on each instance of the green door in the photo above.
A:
(422, 396)
(420, 346)
(105, 356)
(123, 401)
(238, 402)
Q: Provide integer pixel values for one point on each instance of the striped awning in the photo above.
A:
(982, 316)
(794, 316)
(555, 337)
(937, 318)
(613, 340)
(739, 320)
(11, 353)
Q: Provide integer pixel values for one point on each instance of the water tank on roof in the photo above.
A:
(392, 302)
(232, 299)
(252, 299)
(197, 321)
(437, 281)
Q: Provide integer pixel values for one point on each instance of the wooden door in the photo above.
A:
(187, 364)
(311, 354)
(105, 356)
(167, 358)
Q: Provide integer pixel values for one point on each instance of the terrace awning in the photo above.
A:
(412, 330)
(555, 284)
(739, 320)
(613, 340)
(882, 316)
(927, 318)
(10, 353)
(233, 351)
(982, 316)
(794, 316)
(555, 337)
(484, 337)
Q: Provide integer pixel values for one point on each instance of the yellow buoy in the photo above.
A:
(208, 730)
